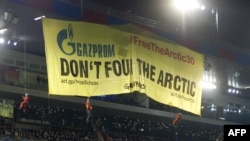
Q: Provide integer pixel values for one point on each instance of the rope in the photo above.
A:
(25, 68)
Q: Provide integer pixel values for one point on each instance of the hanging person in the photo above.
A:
(89, 109)
(176, 119)
(23, 105)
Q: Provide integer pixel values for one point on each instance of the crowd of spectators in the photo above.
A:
(60, 124)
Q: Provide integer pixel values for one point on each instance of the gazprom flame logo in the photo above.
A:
(63, 35)
(68, 45)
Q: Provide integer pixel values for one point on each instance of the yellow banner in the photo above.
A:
(86, 59)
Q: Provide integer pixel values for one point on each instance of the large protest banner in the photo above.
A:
(87, 59)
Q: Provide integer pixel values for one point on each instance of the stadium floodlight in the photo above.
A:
(15, 43)
(186, 5)
(1, 40)
(207, 85)
(3, 30)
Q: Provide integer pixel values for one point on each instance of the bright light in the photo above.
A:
(202, 7)
(1, 40)
(3, 30)
(233, 91)
(39, 18)
(15, 43)
(208, 85)
(185, 5)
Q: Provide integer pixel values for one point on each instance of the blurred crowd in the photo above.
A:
(60, 124)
